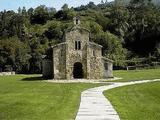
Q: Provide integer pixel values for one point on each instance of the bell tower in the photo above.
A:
(76, 21)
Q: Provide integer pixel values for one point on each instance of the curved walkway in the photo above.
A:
(95, 106)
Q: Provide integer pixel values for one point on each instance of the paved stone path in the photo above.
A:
(95, 106)
(95, 81)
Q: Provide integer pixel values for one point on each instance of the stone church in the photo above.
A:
(77, 57)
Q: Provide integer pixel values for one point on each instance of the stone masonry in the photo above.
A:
(77, 57)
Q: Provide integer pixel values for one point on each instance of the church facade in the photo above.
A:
(77, 57)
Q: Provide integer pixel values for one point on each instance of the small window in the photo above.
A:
(94, 54)
(76, 21)
(77, 45)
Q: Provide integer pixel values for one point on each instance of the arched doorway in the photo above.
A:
(78, 70)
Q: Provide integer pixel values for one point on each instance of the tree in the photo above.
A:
(8, 52)
(54, 31)
(65, 13)
(126, 31)
(91, 5)
(19, 10)
(93, 27)
(51, 12)
(22, 57)
(143, 27)
(112, 47)
(119, 20)
(40, 15)
(65, 7)
(30, 12)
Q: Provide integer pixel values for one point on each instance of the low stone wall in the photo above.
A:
(6, 73)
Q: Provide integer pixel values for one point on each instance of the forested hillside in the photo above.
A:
(127, 33)
(155, 2)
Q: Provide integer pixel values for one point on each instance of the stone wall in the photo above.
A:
(96, 65)
(59, 61)
(73, 55)
(108, 68)
(7, 73)
(88, 56)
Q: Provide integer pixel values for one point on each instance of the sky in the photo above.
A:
(15, 4)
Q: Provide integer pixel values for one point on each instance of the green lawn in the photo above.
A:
(133, 75)
(23, 98)
(137, 102)
(28, 97)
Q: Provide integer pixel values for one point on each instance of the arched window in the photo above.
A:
(77, 45)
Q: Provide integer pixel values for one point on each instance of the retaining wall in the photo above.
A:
(6, 73)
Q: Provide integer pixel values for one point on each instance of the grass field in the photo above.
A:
(23, 98)
(134, 75)
(28, 97)
(137, 102)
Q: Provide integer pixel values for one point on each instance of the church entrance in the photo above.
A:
(78, 70)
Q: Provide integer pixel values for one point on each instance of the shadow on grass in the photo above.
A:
(34, 78)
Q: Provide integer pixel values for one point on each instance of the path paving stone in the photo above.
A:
(84, 80)
(95, 106)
